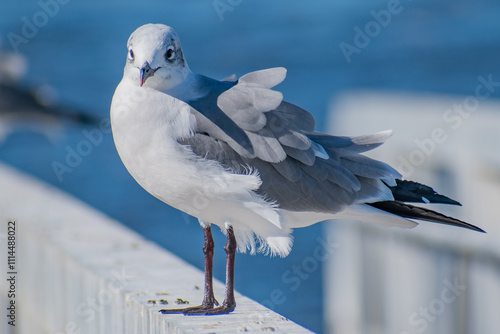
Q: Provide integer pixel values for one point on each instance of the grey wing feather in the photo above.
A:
(237, 103)
(238, 142)
(246, 102)
(211, 148)
(247, 125)
(304, 194)
(345, 146)
(267, 78)
(296, 116)
(341, 175)
(266, 146)
(329, 170)
(307, 157)
(363, 166)
(212, 120)
(287, 133)
(290, 170)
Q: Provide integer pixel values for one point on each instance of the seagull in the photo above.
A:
(233, 153)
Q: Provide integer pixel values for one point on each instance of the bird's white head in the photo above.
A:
(155, 58)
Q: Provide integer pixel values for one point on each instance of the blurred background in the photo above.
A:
(60, 62)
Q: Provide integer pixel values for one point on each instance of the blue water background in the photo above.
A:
(429, 46)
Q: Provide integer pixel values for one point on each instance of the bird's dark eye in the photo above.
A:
(130, 54)
(170, 54)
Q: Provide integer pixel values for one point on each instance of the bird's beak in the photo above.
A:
(146, 72)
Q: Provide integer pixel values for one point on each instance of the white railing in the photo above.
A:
(75, 270)
(434, 278)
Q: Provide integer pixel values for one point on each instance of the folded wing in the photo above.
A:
(246, 125)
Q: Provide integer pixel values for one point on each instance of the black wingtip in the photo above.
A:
(410, 191)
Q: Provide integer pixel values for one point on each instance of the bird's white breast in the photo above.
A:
(146, 125)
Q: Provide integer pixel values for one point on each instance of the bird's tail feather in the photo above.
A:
(414, 212)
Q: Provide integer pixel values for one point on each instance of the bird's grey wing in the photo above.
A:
(212, 120)
(306, 193)
(251, 117)
(246, 124)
